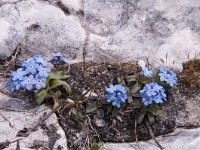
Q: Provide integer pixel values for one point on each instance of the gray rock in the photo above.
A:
(41, 28)
(16, 114)
(188, 115)
(180, 139)
(130, 30)
(75, 5)
(99, 122)
(108, 30)
(106, 17)
(9, 39)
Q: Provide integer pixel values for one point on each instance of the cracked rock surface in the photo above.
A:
(180, 139)
(16, 114)
(122, 30)
(133, 29)
(40, 27)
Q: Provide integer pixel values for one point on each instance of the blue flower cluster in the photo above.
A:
(168, 76)
(58, 59)
(116, 94)
(152, 92)
(31, 76)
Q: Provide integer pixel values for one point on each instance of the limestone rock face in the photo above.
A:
(41, 28)
(16, 114)
(180, 139)
(189, 116)
(129, 30)
(122, 30)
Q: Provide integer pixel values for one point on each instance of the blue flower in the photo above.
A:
(39, 59)
(116, 103)
(122, 97)
(163, 70)
(120, 88)
(111, 89)
(147, 72)
(58, 59)
(147, 100)
(18, 75)
(152, 92)
(116, 94)
(17, 84)
(43, 72)
(163, 76)
(111, 97)
(40, 82)
(28, 82)
(10, 86)
(158, 99)
(31, 67)
(168, 76)
(24, 63)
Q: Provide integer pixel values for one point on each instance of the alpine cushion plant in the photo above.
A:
(35, 75)
(153, 92)
(150, 88)
(116, 94)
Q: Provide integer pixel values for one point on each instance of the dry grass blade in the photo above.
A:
(152, 135)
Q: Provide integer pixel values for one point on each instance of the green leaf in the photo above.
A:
(57, 83)
(77, 113)
(152, 108)
(58, 75)
(93, 107)
(61, 68)
(136, 87)
(143, 79)
(159, 113)
(96, 146)
(41, 95)
(141, 117)
(150, 118)
(136, 105)
(108, 108)
(100, 113)
(131, 79)
(114, 112)
(57, 94)
(136, 95)
(80, 114)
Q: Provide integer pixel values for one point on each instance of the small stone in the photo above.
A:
(99, 122)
